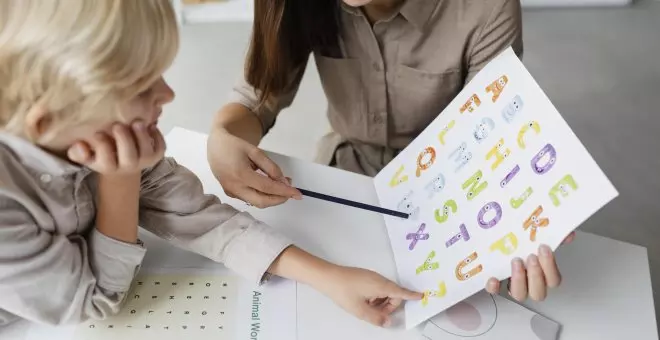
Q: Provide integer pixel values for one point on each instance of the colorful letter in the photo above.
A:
(397, 178)
(549, 149)
(494, 206)
(419, 235)
(442, 291)
(509, 177)
(534, 222)
(483, 129)
(444, 131)
(512, 109)
(471, 105)
(521, 135)
(506, 245)
(464, 263)
(497, 87)
(463, 234)
(517, 202)
(451, 204)
(406, 206)
(421, 163)
(462, 156)
(436, 185)
(499, 155)
(428, 265)
(473, 184)
(562, 187)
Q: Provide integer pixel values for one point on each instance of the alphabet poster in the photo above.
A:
(498, 173)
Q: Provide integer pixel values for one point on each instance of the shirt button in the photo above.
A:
(45, 178)
(376, 66)
(378, 119)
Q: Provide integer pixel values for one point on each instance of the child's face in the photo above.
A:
(147, 107)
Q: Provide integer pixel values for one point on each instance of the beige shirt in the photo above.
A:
(396, 76)
(56, 268)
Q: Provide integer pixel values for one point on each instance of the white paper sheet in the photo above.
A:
(171, 303)
(498, 173)
(490, 317)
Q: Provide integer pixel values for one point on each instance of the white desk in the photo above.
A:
(606, 292)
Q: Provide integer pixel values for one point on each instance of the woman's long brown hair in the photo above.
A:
(284, 33)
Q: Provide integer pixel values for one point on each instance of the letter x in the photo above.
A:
(419, 235)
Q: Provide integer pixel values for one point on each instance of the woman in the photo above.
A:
(387, 67)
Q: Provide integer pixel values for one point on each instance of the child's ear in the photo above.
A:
(37, 122)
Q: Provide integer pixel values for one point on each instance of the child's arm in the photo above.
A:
(173, 205)
(57, 279)
(118, 204)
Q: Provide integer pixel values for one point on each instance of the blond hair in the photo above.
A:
(79, 59)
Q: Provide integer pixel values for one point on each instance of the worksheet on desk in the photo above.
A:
(192, 304)
(495, 175)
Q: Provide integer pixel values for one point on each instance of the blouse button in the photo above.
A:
(378, 118)
(46, 178)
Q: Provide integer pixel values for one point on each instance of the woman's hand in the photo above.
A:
(124, 150)
(533, 277)
(234, 163)
(365, 294)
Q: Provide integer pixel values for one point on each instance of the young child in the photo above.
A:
(81, 166)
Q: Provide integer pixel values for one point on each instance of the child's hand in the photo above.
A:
(366, 294)
(123, 151)
(533, 277)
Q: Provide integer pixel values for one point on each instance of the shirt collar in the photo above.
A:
(417, 12)
(36, 158)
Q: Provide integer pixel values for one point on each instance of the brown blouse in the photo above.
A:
(396, 76)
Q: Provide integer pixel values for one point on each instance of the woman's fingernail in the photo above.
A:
(492, 285)
(517, 264)
(545, 250)
(533, 260)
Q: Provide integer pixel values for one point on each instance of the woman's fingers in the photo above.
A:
(268, 186)
(518, 281)
(493, 286)
(531, 278)
(549, 266)
(259, 199)
(536, 279)
(569, 238)
(261, 160)
(274, 183)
